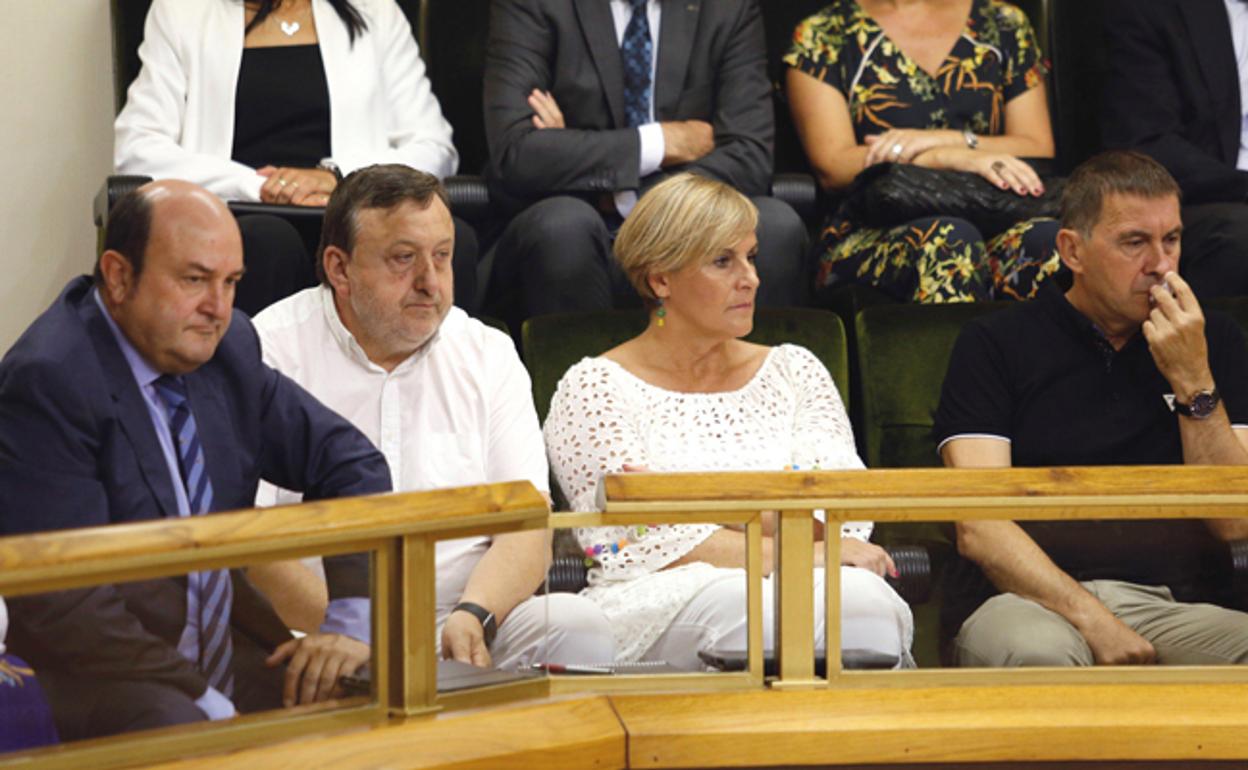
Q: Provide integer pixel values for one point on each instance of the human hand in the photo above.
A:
(316, 661)
(1113, 643)
(684, 141)
(296, 186)
(631, 468)
(1001, 169)
(857, 553)
(1175, 331)
(463, 639)
(903, 145)
(546, 112)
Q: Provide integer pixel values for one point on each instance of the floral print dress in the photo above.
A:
(937, 258)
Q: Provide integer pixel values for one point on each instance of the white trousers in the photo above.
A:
(558, 628)
(873, 617)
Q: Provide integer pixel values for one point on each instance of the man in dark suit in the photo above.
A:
(140, 395)
(1174, 92)
(590, 102)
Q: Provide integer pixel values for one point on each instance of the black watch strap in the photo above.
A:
(488, 624)
(1203, 404)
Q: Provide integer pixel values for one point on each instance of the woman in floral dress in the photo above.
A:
(947, 84)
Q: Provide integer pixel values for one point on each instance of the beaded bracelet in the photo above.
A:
(600, 548)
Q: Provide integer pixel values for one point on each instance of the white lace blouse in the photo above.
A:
(601, 417)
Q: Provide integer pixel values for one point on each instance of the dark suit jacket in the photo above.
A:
(711, 66)
(1173, 92)
(77, 448)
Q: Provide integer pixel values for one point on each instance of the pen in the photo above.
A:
(561, 668)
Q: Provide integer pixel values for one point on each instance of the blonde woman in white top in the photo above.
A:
(689, 395)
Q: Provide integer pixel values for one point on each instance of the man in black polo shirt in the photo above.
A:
(1121, 369)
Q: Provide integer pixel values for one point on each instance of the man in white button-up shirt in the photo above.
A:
(444, 397)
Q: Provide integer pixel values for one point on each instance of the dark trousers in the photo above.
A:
(555, 256)
(1215, 249)
(86, 707)
(279, 263)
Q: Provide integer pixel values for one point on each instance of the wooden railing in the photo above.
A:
(847, 717)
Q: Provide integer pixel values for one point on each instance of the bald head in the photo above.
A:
(172, 258)
(158, 204)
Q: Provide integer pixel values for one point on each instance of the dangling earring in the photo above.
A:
(661, 313)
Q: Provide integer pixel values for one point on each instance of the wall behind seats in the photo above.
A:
(56, 138)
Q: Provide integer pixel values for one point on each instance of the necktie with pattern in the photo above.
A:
(636, 54)
(213, 592)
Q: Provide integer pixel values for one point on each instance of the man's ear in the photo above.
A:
(1070, 249)
(334, 261)
(118, 275)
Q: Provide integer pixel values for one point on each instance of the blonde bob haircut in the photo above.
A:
(679, 221)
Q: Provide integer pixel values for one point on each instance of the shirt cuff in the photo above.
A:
(215, 705)
(652, 149)
(349, 617)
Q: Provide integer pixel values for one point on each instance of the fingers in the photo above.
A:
(888, 146)
(546, 112)
(266, 171)
(635, 468)
(1183, 293)
(890, 567)
(283, 651)
(294, 673)
(310, 685)
(480, 655)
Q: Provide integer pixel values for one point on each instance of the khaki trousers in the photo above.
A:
(1008, 630)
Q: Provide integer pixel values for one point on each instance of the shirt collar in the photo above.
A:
(144, 373)
(1077, 324)
(352, 349)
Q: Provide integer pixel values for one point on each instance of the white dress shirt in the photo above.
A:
(652, 145)
(1237, 11)
(457, 412)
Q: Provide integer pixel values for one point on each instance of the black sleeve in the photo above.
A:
(1228, 360)
(531, 162)
(976, 396)
(1143, 107)
(744, 116)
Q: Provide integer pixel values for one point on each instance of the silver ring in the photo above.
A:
(897, 148)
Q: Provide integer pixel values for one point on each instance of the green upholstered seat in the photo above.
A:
(552, 343)
(903, 351)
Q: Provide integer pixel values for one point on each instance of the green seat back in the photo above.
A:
(553, 343)
(903, 351)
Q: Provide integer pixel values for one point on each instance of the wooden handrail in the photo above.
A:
(940, 494)
(78, 557)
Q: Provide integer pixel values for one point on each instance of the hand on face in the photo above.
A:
(296, 186)
(1175, 331)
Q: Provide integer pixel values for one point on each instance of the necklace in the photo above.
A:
(289, 28)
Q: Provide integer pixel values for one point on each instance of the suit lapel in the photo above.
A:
(132, 413)
(1210, 31)
(598, 27)
(677, 27)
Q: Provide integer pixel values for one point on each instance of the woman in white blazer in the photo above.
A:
(274, 101)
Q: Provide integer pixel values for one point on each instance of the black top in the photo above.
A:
(281, 110)
(1042, 375)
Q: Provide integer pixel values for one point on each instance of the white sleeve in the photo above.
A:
(590, 433)
(417, 133)
(515, 447)
(822, 436)
(149, 127)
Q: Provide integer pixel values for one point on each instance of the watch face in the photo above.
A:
(1204, 403)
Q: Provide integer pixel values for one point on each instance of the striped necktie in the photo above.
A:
(209, 601)
(636, 54)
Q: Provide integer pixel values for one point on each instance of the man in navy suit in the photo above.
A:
(1178, 75)
(140, 395)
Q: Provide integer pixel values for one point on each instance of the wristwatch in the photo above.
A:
(488, 624)
(1203, 404)
(328, 164)
(972, 141)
